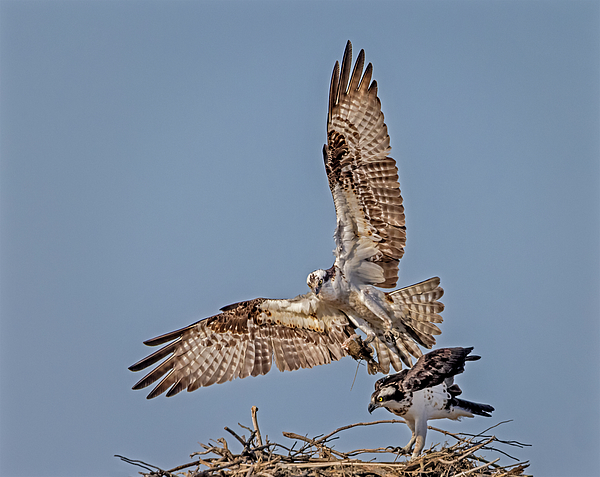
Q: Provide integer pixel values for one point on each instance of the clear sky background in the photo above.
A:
(160, 160)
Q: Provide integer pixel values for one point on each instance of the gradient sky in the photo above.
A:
(160, 160)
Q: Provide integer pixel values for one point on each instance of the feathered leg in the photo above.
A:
(363, 326)
(419, 437)
(375, 306)
(408, 447)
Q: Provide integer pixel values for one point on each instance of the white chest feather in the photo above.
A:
(335, 291)
(434, 403)
(430, 402)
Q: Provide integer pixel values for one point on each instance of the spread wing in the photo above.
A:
(370, 234)
(392, 378)
(433, 368)
(242, 340)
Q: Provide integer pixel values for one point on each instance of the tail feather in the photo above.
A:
(420, 298)
(425, 308)
(418, 288)
(401, 346)
(474, 407)
(423, 326)
(429, 317)
(424, 339)
(416, 309)
(383, 355)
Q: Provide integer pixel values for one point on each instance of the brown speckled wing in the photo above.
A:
(242, 341)
(434, 367)
(371, 232)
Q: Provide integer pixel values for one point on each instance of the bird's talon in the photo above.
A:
(347, 341)
(395, 450)
(390, 336)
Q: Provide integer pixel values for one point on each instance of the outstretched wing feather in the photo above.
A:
(434, 367)
(362, 178)
(242, 340)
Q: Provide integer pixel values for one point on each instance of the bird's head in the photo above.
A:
(316, 280)
(385, 396)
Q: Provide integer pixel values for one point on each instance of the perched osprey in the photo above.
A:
(319, 326)
(427, 391)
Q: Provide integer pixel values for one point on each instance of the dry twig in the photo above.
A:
(315, 458)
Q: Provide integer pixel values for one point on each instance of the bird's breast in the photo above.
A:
(401, 408)
(335, 292)
(431, 402)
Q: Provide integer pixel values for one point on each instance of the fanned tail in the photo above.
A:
(417, 308)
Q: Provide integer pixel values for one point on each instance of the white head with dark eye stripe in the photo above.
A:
(385, 395)
(315, 280)
(319, 278)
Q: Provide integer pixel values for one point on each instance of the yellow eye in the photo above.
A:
(320, 282)
(380, 399)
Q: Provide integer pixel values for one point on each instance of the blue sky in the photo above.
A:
(159, 160)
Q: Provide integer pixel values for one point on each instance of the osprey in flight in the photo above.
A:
(319, 326)
(427, 391)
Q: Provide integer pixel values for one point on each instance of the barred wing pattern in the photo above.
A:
(371, 233)
(314, 328)
(242, 341)
(416, 308)
(431, 369)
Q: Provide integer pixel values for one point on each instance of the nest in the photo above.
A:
(315, 457)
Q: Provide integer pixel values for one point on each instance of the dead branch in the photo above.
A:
(315, 457)
(350, 426)
(255, 424)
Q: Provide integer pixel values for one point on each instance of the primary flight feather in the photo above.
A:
(320, 326)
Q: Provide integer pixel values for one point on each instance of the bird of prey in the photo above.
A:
(427, 391)
(320, 326)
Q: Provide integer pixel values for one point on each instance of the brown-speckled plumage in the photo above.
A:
(362, 178)
(239, 342)
(318, 327)
(427, 391)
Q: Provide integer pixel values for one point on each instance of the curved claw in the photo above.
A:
(396, 450)
(347, 341)
(391, 335)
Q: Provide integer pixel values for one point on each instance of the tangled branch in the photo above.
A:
(315, 457)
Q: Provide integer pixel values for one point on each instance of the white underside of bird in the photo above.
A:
(427, 404)
(427, 391)
(320, 326)
(366, 306)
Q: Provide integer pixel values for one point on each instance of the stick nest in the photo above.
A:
(316, 457)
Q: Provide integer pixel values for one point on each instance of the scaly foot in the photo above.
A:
(391, 335)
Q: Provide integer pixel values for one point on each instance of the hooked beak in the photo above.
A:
(372, 407)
